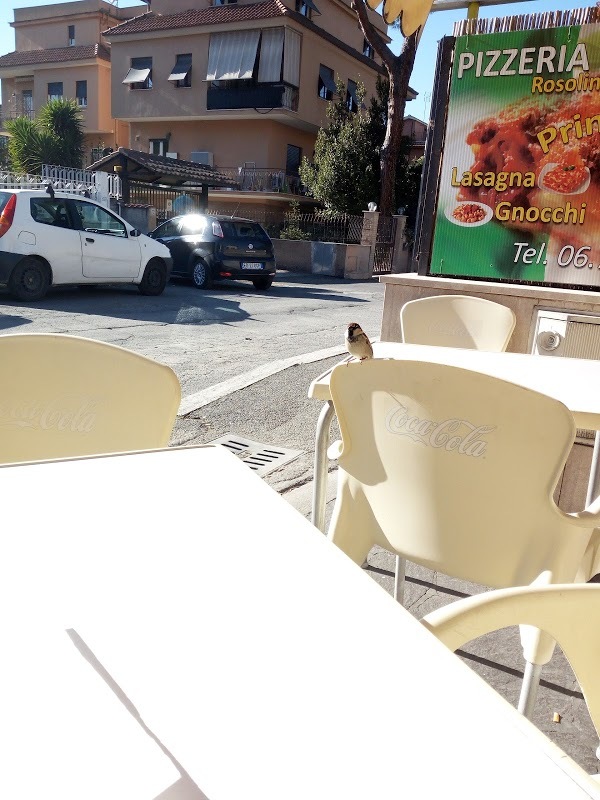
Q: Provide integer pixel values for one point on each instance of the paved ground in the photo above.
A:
(289, 420)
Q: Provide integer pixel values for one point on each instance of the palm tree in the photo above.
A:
(55, 136)
(63, 119)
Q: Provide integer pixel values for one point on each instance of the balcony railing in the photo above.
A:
(258, 179)
(233, 94)
(5, 116)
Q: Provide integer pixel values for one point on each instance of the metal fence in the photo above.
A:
(169, 202)
(82, 179)
(11, 180)
(341, 228)
(259, 179)
(69, 183)
(384, 246)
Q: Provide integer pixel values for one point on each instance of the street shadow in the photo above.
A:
(12, 321)
(310, 278)
(302, 286)
(181, 305)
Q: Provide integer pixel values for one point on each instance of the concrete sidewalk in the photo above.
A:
(290, 422)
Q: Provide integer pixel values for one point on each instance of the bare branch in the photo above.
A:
(372, 35)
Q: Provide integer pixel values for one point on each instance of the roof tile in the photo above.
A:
(149, 168)
(54, 55)
(214, 15)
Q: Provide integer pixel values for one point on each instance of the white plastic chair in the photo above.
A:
(453, 320)
(568, 613)
(455, 471)
(457, 321)
(67, 396)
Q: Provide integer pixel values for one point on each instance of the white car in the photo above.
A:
(48, 239)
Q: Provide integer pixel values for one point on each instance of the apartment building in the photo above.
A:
(416, 130)
(60, 51)
(242, 86)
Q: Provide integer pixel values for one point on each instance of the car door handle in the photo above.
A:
(91, 241)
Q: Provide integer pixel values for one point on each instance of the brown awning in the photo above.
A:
(147, 168)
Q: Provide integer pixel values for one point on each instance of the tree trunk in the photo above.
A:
(399, 71)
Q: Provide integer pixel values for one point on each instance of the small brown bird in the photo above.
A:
(357, 342)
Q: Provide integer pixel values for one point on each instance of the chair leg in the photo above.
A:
(529, 688)
(399, 579)
(319, 496)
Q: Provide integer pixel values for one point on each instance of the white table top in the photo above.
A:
(573, 381)
(268, 664)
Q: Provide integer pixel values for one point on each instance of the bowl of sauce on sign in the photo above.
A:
(564, 178)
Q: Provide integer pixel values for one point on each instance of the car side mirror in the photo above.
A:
(135, 232)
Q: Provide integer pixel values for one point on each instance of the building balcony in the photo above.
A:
(5, 116)
(259, 179)
(234, 94)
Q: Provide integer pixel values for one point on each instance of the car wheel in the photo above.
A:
(155, 278)
(201, 275)
(262, 284)
(30, 279)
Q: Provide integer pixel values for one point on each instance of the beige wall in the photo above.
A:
(164, 99)
(44, 27)
(96, 116)
(105, 120)
(316, 51)
(167, 101)
(54, 33)
(341, 21)
(263, 141)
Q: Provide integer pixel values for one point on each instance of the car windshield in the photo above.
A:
(193, 223)
(4, 198)
(241, 229)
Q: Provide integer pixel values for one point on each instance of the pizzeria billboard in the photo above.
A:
(519, 186)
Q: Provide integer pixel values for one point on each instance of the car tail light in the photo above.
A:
(8, 214)
(225, 274)
(217, 230)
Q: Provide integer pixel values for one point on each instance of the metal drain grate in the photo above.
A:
(262, 458)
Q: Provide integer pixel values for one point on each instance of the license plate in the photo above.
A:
(252, 265)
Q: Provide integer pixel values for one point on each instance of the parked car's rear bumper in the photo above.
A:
(7, 263)
(235, 271)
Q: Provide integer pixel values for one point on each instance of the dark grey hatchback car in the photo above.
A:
(210, 248)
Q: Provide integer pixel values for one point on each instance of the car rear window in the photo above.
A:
(4, 198)
(241, 230)
(193, 223)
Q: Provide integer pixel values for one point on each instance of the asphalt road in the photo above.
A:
(208, 337)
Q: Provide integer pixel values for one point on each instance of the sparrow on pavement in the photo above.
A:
(357, 342)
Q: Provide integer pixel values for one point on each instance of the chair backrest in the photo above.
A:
(568, 613)
(454, 470)
(449, 320)
(66, 396)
